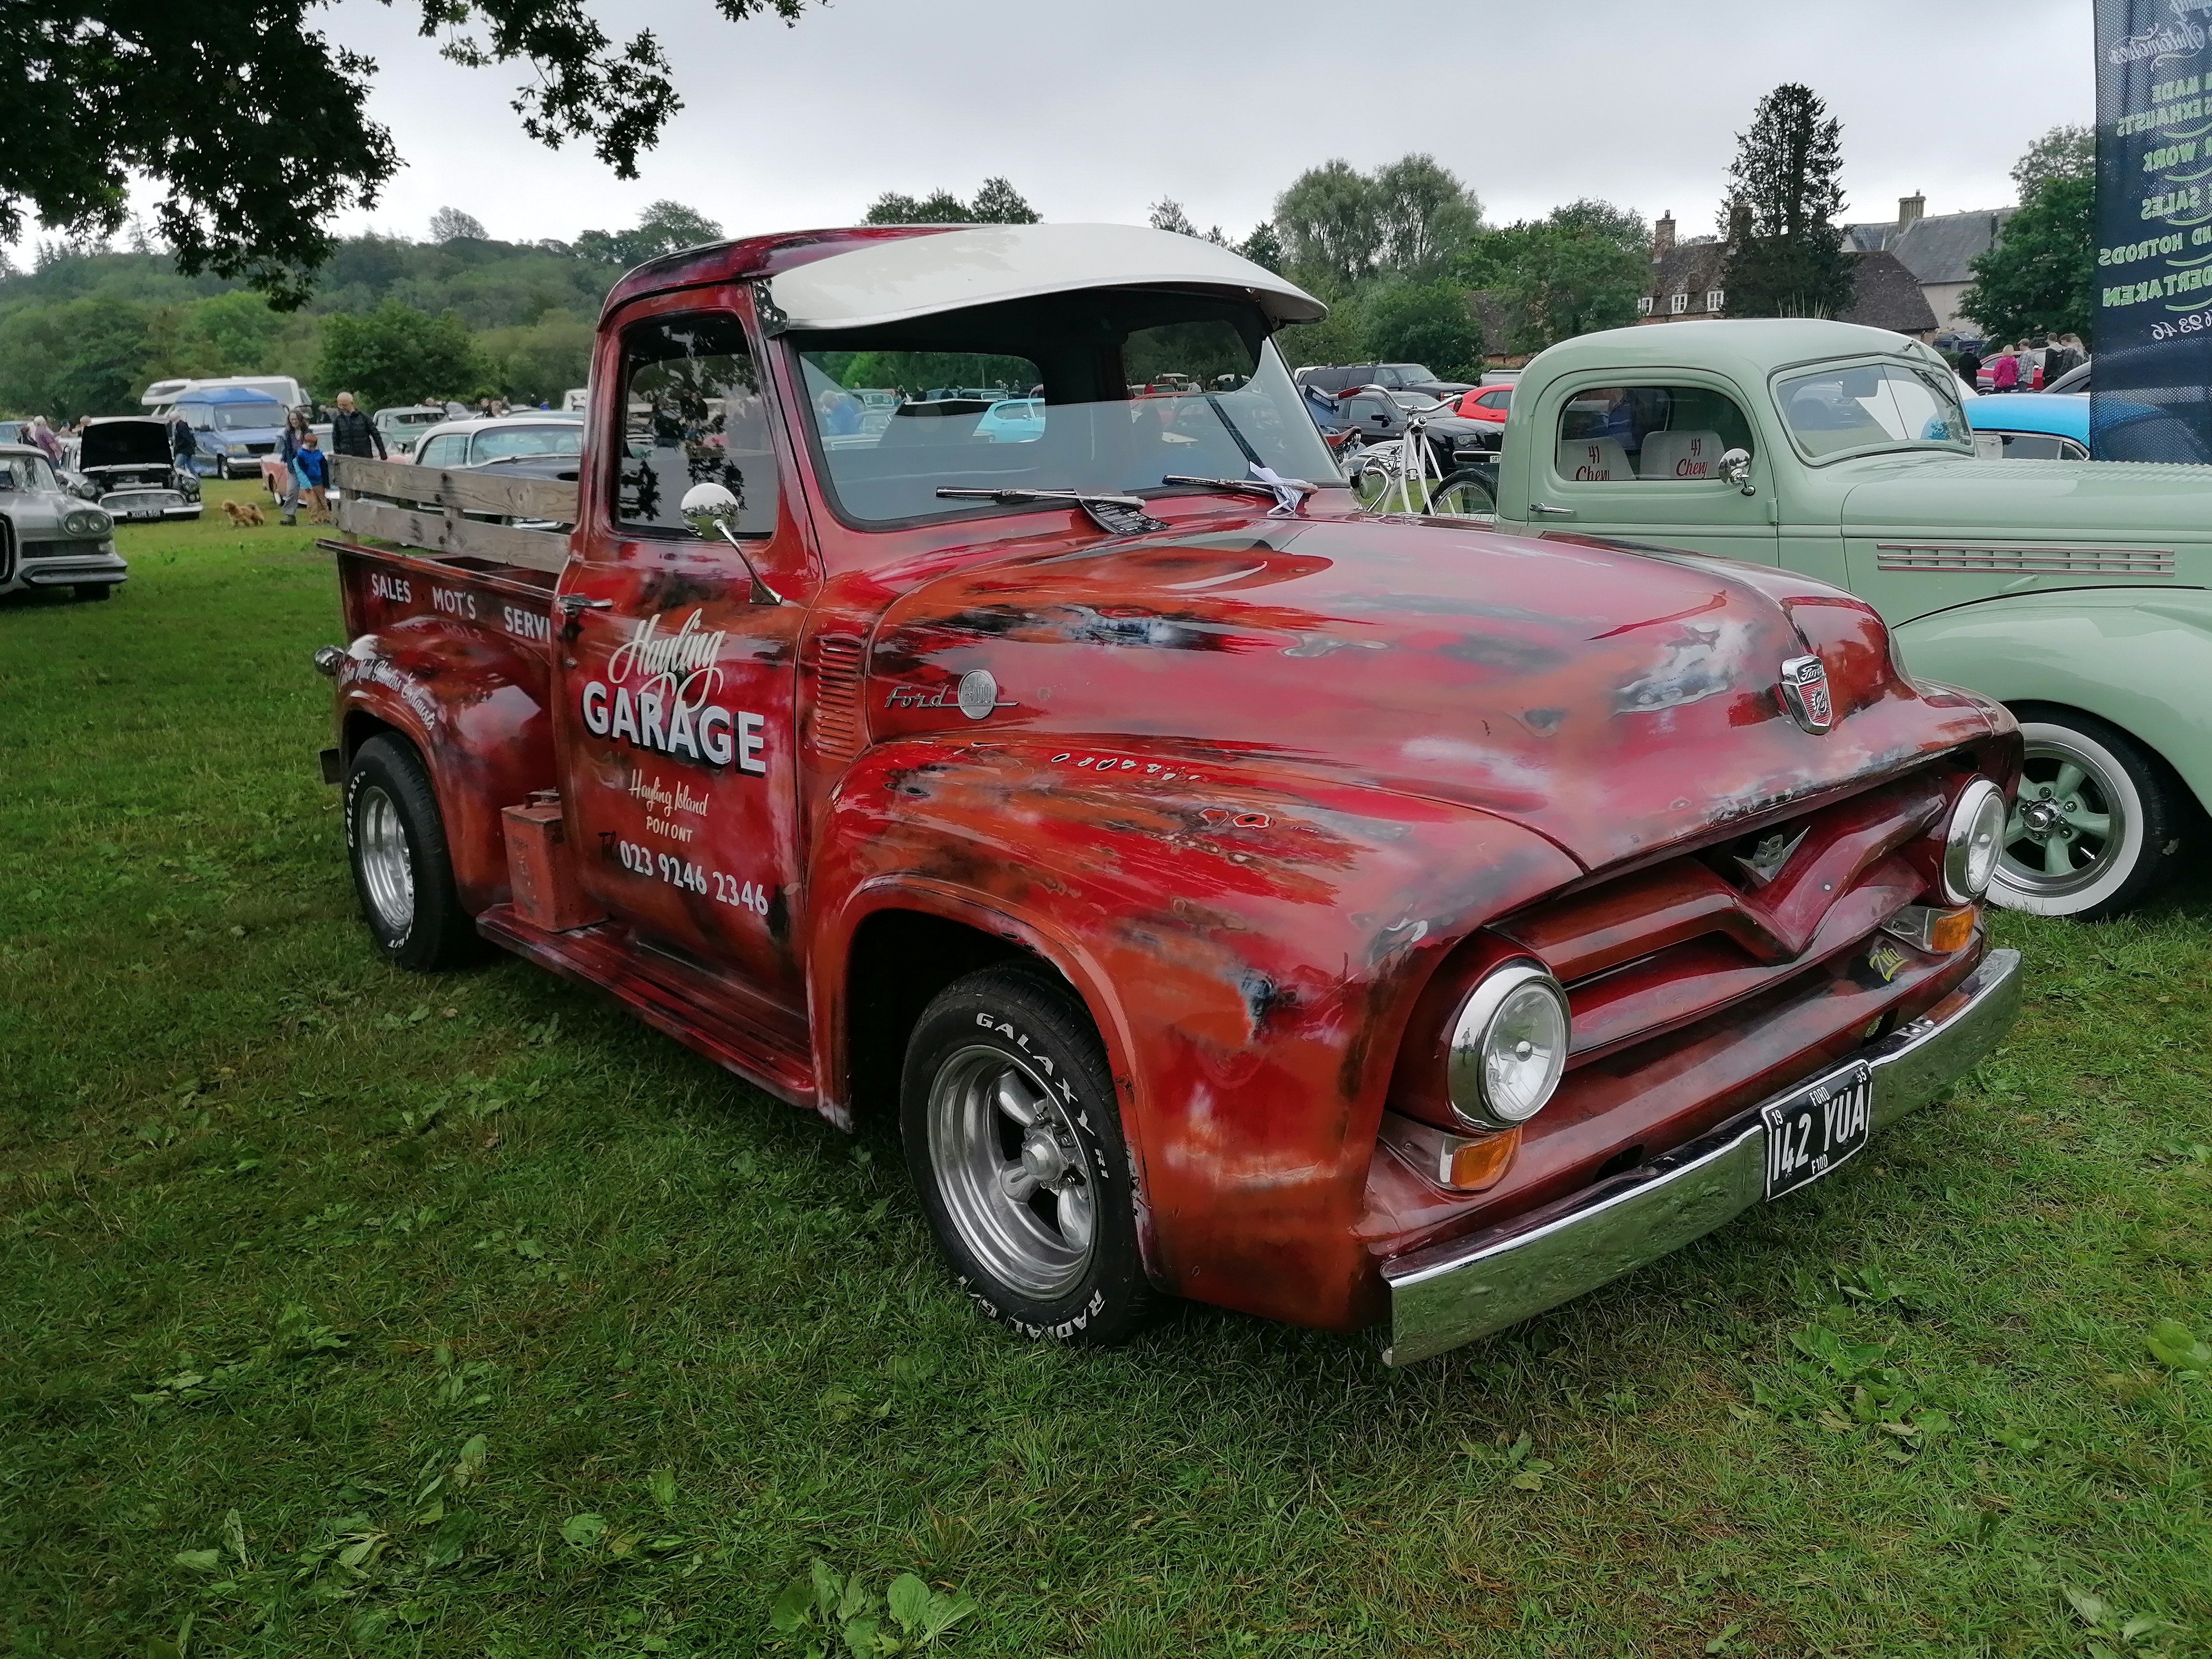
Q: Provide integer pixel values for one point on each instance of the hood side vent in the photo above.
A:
(840, 726)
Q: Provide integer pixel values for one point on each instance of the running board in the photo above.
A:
(603, 956)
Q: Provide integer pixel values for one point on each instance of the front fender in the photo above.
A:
(1250, 940)
(475, 705)
(2135, 658)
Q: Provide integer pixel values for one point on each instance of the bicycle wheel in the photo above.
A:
(1464, 495)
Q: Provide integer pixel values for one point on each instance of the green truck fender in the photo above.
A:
(2124, 655)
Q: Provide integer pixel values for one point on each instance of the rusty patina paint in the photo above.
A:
(1257, 787)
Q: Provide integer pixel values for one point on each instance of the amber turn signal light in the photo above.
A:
(1476, 1165)
(1938, 932)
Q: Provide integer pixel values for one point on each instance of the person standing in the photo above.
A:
(297, 432)
(43, 436)
(2004, 373)
(183, 445)
(310, 466)
(353, 433)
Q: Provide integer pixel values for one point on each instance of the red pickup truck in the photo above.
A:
(1347, 919)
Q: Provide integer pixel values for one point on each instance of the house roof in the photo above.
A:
(1885, 294)
(1938, 249)
(1689, 268)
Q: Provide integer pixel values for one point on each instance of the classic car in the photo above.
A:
(2074, 592)
(1391, 377)
(126, 459)
(234, 425)
(1012, 421)
(1231, 894)
(2031, 426)
(49, 537)
(402, 427)
(545, 444)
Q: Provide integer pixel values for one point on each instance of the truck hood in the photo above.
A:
(1613, 700)
(2045, 500)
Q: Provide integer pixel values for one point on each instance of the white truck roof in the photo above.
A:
(889, 281)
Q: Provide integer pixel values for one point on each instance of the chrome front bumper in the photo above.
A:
(1466, 1288)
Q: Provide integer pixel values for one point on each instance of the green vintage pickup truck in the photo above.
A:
(2074, 592)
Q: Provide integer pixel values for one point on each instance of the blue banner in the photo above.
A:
(2152, 328)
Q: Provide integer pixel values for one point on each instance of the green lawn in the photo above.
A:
(345, 1312)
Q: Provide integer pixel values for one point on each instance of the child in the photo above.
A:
(312, 468)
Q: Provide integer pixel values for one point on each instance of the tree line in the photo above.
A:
(1412, 269)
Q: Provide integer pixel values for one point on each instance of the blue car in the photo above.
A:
(234, 427)
(1012, 421)
(2054, 426)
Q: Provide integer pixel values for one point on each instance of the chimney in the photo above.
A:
(1910, 207)
(1662, 236)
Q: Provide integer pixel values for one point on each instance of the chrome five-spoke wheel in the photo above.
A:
(387, 873)
(1011, 1171)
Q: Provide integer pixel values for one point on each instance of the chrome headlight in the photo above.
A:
(1508, 1048)
(87, 521)
(235, 449)
(1972, 841)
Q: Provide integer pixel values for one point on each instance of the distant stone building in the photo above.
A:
(1688, 280)
(1938, 252)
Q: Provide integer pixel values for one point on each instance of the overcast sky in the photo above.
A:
(1095, 111)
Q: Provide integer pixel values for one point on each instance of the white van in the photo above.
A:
(575, 399)
(283, 388)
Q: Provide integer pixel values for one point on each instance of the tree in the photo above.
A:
(217, 102)
(398, 355)
(1579, 269)
(450, 224)
(1785, 255)
(1422, 215)
(1167, 215)
(2040, 275)
(2062, 153)
(666, 228)
(1426, 323)
(1000, 204)
(997, 203)
(87, 356)
(1263, 247)
(1327, 222)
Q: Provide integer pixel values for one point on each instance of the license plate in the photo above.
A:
(145, 512)
(1818, 1128)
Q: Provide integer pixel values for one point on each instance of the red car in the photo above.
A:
(1486, 402)
(1232, 895)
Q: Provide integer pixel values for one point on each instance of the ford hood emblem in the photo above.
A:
(1805, 694)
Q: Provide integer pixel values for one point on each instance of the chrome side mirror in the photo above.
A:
(1735, 469)
(712, 510)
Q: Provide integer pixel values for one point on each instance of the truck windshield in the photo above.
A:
(1108, 391)
(248, 417)
(1860, 406)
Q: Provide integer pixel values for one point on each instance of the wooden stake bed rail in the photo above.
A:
(439, 525)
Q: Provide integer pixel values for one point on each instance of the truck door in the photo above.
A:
(677, 674)
(1643, 462)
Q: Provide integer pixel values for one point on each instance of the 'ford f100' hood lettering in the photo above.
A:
(1617, 702)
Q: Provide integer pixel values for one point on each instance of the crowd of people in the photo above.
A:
(2029, 366)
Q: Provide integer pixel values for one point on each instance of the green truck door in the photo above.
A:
(1642, 463)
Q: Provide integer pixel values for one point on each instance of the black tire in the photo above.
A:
(392, 824)
(2054, 862)
(96, 591)
(1465, 494)
(1017, 1257)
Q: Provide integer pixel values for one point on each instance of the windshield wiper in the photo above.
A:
(1287, 493)
(1117, 515)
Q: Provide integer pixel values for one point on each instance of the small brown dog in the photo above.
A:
(243, 512)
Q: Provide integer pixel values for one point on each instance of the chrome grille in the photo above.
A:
(2026, 561)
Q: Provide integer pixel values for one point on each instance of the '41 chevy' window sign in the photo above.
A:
(2151, 325)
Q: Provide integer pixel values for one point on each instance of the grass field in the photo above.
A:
(347, 1312)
